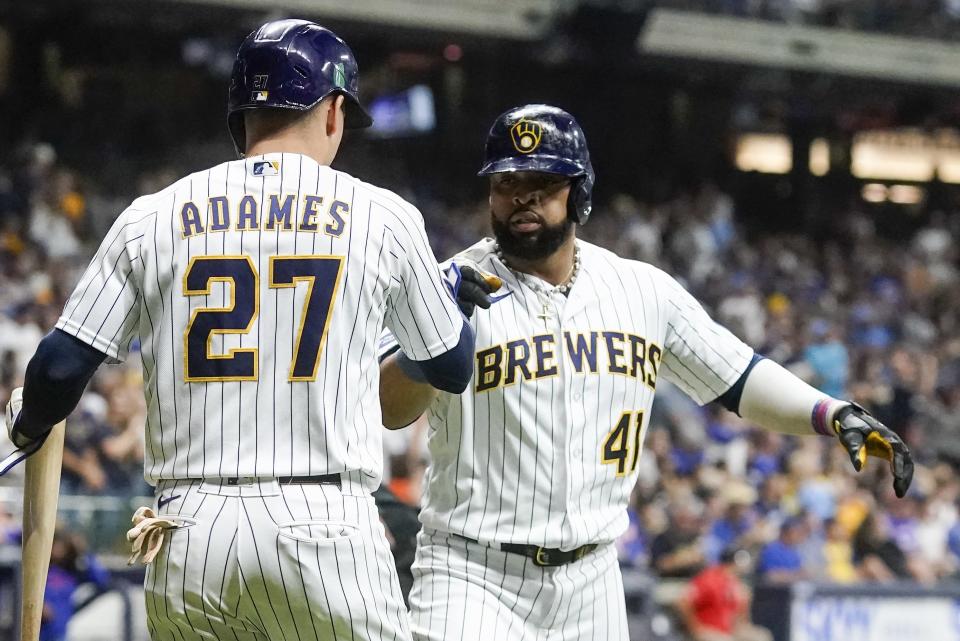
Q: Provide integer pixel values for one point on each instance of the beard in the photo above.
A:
(535, 246)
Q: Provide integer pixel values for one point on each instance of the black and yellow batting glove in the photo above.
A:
(862, 435)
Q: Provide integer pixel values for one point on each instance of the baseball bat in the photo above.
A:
(41, 491)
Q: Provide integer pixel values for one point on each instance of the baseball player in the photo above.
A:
(257, 289)
(532, 467)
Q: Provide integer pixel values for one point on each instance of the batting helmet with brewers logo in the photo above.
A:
(292, 64)
(546, 139)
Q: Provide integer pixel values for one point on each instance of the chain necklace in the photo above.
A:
(562, 288)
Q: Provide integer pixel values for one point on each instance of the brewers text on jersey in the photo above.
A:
(535, 357)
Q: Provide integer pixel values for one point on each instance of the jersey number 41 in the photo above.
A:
(622, 445)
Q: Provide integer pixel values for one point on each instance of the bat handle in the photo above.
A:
(41, 491)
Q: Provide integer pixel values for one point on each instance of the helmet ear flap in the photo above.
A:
(238, 133)
(579, 203)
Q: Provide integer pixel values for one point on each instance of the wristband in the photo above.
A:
(820, 417)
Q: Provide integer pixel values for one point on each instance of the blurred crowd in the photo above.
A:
(860, 316)
(920, 18)
(719, 503)
(48, 231)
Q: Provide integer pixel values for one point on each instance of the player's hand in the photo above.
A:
(13, 411)
(862, 435)
(22, 442)
(474, 289)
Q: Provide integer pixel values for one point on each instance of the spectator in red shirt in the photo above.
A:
(716, 605)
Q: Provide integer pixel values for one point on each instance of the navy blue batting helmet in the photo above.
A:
(546, 139)
(292, 64)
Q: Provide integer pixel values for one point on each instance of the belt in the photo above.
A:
(322, 479)
(544, 557)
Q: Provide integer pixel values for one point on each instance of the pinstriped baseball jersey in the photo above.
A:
(257, 289)
(543, 449)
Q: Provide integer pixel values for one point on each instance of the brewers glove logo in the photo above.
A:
(526, 135)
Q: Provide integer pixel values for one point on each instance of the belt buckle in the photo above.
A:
(542, 557)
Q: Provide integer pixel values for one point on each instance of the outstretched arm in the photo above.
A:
(780, 401)
(776, 399)
(711, 364)
(408, 387)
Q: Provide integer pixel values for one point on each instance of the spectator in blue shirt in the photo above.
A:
(781, 560)
(70, 566)
(737, 522)
(828, 358)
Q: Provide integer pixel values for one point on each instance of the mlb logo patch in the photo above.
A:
(260, 96)
(266, 168)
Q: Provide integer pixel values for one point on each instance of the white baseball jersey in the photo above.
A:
(257, 289)
(543, 449)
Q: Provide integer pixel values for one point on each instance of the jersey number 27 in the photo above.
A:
(321, 274)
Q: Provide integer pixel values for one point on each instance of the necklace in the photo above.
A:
(562, 288)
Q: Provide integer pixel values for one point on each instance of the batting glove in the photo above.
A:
(862, 435)
(13, 411)
(471, 288)
(24, 444)
(21, 441)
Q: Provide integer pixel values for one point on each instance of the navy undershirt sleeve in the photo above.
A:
(731, 398)
(452, 370)
(54, 382)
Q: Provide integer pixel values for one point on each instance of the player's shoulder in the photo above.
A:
(601, 258)
(381, 198)
(480, 255)
(181, 189)
(149, 206)
(603, 261)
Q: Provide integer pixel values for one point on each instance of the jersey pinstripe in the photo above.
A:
(543, 450)
(257, 289)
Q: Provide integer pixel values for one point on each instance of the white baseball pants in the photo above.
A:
(259, 561)
(466, 591)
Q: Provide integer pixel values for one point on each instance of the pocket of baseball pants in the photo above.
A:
(318, 532)
(183, 522)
